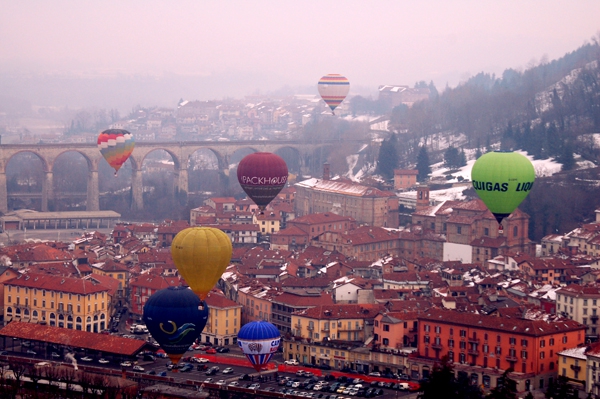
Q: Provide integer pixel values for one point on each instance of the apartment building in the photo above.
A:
(486, 345)
(66, 302)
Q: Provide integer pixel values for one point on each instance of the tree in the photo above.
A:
(423, 164)
(506, 388)
(561, 389)
(388, 157)
(443, 384)
(454, 159)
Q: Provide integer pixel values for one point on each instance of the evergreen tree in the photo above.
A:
(506, 388)
(561, 389)
(423, 164)
(566, 157)
(443, 384)
(454, 159)
(388, 157)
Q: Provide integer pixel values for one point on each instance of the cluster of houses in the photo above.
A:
(347, 287)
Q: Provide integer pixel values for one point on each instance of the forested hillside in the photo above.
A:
(549, 110)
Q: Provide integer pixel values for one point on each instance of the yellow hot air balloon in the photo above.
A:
(201, 255)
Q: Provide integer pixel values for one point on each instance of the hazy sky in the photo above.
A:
(370, 42)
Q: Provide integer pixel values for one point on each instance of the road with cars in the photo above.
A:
(193, 368)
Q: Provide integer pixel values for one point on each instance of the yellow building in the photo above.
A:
(572, 365)
(224, 320)
(58, 301)
(115, 270)
(340, 324)
(268, 223)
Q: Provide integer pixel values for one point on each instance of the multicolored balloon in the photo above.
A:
(502, 180)
(201, 255)
(259, 340)
(175, 317)
(116, 145)
(333, 89)
(262, 175)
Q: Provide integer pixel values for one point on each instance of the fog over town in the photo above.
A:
(316, 199)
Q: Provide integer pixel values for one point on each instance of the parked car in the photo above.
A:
(138, 368)
(221, 382)
(234, 384)
(103, 361)
(254, 386)
(31, 352)
(375, 374)
(186, 367)
(244, 377)
(208, 380)
(86, 359)
(222, 350)
(292, 362)
(162, 374)
(54, 355)
(211, 351)
(200, 359)
(149, 358)
(126, 364)
(228, 370)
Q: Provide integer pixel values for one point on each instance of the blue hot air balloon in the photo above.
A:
(175, 317)
(259, 340)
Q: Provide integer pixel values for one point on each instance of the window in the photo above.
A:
(426, 327)
(451, 343)
(458, 229)
(386, 341)
(512, 341)
(524, 342)
(542, 343)
(486, 231)
(386, 327)
(437, 329)
(515, 231)
(542, 354)
(564, 339)
(463, 333)
(524, 354)
(551, 341)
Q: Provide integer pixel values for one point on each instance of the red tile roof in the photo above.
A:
(47, 282)
(507, 324)
(336, 312)
(220, 302)
(74, 338)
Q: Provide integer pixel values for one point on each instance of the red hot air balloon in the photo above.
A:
(262, 175)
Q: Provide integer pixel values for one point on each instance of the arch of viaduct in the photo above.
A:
(179, 151)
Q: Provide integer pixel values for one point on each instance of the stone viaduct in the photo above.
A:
(179, 151)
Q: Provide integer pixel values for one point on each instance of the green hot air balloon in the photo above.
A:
(502, 180)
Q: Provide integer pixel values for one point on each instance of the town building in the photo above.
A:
(366, 205)
(224, 320)
(486, 345)
(405, 178)
(67, 302)
(572, 364)
(580, 303)
(142, 287)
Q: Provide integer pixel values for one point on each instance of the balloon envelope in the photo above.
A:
(502, 180)
(175, 317)
(201, 255)
(262, 175)
(259, 340)
(333, 89)
(116, 145)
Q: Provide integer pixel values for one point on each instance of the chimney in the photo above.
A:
(422, 197)
(326, 171)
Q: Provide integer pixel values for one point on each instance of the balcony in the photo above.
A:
(310, 327)
(594, 318)
(511, 359)
(473, 340)
(325, 328)
(473, 352)
(298, 326)
(413, 330)
(576, 369)
(437, 347)
(351, 328)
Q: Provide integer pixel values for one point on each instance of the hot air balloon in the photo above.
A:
(333, 89)
(175, 317)
(116, 145)
(262, 175)
(259, 340)
(201, 255)
(502, 180)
